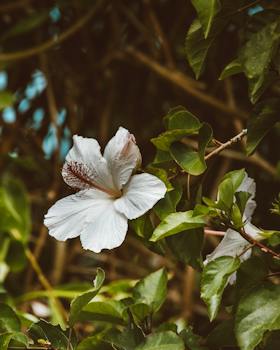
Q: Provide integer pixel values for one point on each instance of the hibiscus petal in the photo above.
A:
(248, 185)
(123, 156)
(68, 216)
(139, 195)
(233, 244)
(106, 230)
(85, 167)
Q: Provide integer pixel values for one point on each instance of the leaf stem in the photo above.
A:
(225, 145)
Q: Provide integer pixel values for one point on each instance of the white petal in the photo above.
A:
(85, 167)
(253, 231)
(123, 156)
(68, 216)
(248, 185)
(233, 244)
(139, 195)
(106, 230)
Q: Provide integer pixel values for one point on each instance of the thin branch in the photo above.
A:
(18, 55)
(256, 243)
(226, 144)
(184, 82)
(210, 232)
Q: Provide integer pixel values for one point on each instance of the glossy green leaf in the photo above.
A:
(197, 47)
(264, 117)
(52, 334)
(187, 246)
(162, 341)
(192, 340)
(6, 338)
(180, 123)
(207, 10)
(232, 68)
(190, 161)
(225, 195)
(168, 204)
(142, 226)
(107, 311)
(152, 290)
(177, 222)
(214, 280)
(9, 321)
(82, 300)
(140, 312)
(250, 274)
(257, 313)
(127, 339)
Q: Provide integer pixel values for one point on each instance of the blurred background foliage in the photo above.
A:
(86, 67)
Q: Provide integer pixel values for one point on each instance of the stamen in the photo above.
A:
(78, 175)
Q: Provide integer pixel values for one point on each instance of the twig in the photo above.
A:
(245, 250)
(184, 82)
(256, 243)
(18, 55)
(210, 232)
(226, 144)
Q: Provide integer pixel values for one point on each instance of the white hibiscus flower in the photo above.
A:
(109, 192)
(233, 244)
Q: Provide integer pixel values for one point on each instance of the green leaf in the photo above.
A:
(6, 338)
(190, 161)
(264, 117)
(142, 226)
(9, 321)
(225, 195)
(206, 10)
(256, 55)
(94, 342)
(128, 339)
(151, 290)
(162, 341)
(7, 99)
(214, 280)
(82, 300)
(257, 313)
(197, 47)
(140, 312)
(222, 335)
(187, 247)
(15, 210)
(107, 311)
(179, 123)
(175, 223)
(168, 204)
(232, 68)
(161, 174)
(236, 177)
(250, 274)
(53, 334)
(192, 340)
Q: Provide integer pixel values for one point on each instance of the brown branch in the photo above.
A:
(256, 243)
(18, 55)
(226, 144)
(187, 84)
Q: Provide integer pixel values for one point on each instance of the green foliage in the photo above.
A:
(7, 99)
(214, 280)
(257, 313)
(82, 300)
(162, 341)
(175, 223)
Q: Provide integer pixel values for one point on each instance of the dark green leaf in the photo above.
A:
(257, 313)
(151, 290)
(192, 340)
(125, 340)
(207, 10)
(168, 204)
(107, 311)
(190, 161)
(82, 300)
(6, 338)
(264, 116)
(162, 341)
(214, 280)
(222, 335)
(9, 321)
